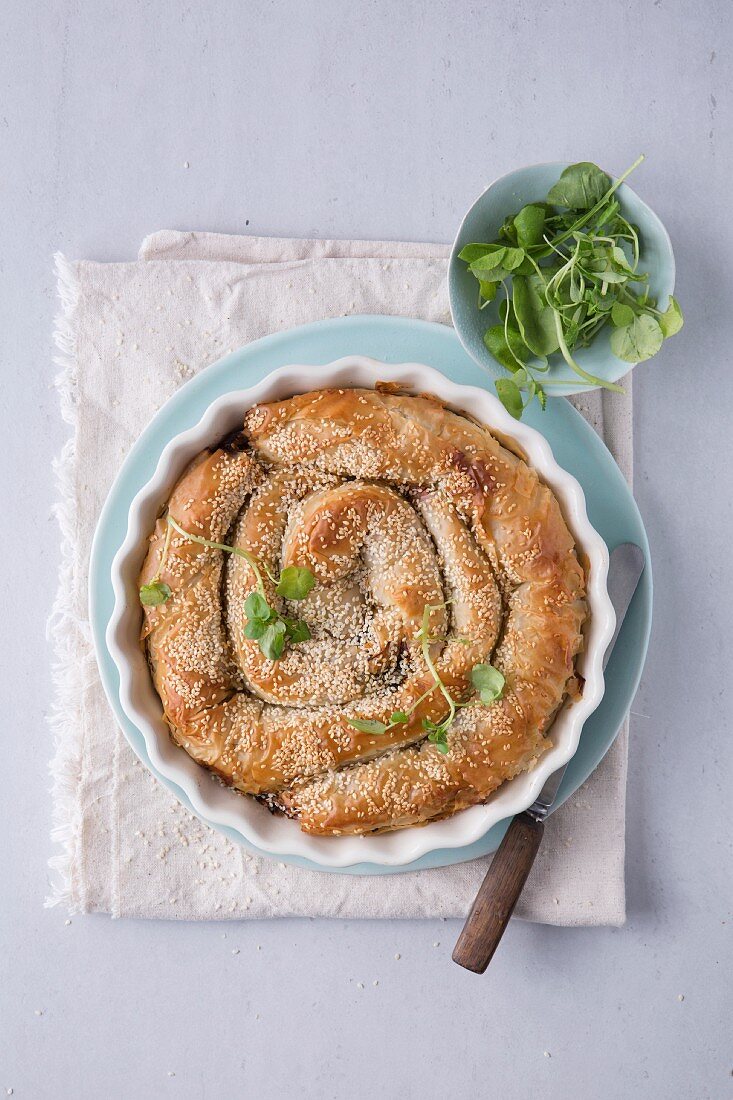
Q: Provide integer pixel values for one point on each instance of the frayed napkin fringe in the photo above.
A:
(67, 632)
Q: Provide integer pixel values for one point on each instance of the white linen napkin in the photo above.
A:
(128, 336)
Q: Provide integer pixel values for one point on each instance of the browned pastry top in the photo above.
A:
(394, 503)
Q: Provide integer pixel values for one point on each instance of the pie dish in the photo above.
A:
(430, 510)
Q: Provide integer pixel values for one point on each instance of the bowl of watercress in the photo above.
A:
(560, 280)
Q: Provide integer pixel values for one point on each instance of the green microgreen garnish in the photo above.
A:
(369, 725)
(256, 607)
(295, 582)
(489, 683)
(272, 641)
(397, 718)
(487, 680)
(264, 624)
(157, 591)
(568, 267)
(423, 635)
(438, 733)
(296, 629)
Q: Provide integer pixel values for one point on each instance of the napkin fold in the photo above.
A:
(128, 335)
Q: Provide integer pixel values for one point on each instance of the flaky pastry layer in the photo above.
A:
(393, 502)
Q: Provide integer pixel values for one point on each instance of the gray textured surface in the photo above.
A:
(377, 120)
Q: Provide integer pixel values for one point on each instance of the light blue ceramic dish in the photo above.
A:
(482, 223)
(611, 510)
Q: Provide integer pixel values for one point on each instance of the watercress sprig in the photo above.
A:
(488, 681)
(264, 624)
(567, 268)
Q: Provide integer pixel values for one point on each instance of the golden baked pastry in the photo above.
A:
(438, 566)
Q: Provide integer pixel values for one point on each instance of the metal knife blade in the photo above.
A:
(625, 568)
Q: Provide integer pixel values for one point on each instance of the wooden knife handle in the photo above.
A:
(498, 894)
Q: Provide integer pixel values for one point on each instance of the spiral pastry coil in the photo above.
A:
(395, 504)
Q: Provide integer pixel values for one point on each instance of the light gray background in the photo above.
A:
(378, 119)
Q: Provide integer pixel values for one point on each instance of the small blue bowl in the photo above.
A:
(509, 194)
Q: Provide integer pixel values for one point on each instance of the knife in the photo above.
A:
(505, 878)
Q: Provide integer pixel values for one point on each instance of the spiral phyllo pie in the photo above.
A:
(433, 548)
